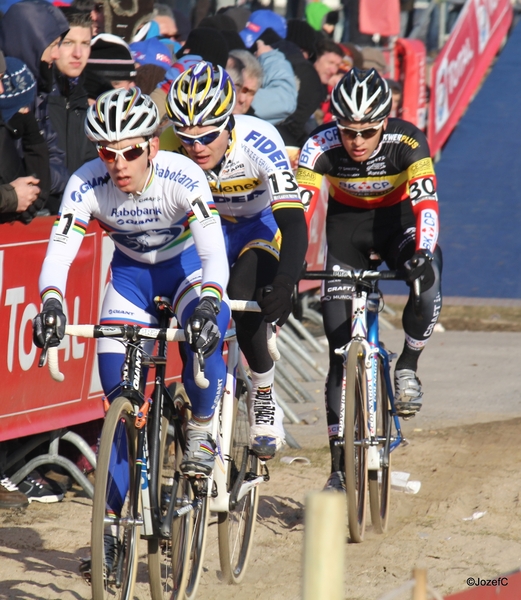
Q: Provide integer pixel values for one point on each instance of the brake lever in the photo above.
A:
(49, 328)
(200, 360)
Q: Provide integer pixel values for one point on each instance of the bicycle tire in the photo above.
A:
(190, 530)
(160, 566)
(380, 481)
(118, 428)
(236, 527)
(197, 541)
(355, 433)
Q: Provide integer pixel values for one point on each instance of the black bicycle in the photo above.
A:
(162, 506)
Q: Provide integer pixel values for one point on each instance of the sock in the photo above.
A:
(336, 447)
(409, 358)
(265, 414)
(197, 425)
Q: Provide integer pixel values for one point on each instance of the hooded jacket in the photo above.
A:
(68, 104)
(26, 29)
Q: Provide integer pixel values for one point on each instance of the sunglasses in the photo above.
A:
(176, 37)
(366, 134)
(129, 153)
(204, 138)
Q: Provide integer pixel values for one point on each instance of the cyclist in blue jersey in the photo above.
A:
(158, 210)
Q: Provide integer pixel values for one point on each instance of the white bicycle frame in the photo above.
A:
(222, 421)
(359, 334)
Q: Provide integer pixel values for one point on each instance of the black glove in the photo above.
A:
(275, 300)
(49, 325)
(201, 330)
(420, 266)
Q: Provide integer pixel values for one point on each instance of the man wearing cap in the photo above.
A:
(276, 99)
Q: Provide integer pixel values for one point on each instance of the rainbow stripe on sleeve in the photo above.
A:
(287, 203)
(192, 217)
(210, 288)
(51, 292)
(79, 226)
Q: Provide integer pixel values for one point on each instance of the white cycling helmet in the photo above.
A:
(202, 95)
(121, 114)
(361, 96)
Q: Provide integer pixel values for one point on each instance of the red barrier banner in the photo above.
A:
(410, 59)
(462, 63)
(316, 253)
(31, 401)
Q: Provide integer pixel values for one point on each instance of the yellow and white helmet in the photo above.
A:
(202, 95)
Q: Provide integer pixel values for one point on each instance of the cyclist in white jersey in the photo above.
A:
(263, 220)
(158, 210)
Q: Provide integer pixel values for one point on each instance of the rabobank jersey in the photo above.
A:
(399, 170)
(173, 212)
(255, 172)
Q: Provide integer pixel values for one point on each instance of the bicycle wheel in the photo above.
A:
(168, 568)
(236, 527)
(196, 488)
(118, 432)
(160, 568)
(380, 481)
(355, 435)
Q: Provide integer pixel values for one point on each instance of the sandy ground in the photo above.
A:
(474, 467)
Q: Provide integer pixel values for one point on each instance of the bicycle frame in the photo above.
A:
(222, 434)
(365, 330)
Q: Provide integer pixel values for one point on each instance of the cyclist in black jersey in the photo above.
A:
(382, 201)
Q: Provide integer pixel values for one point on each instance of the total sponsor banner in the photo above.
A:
(31, 401)
(462, 63)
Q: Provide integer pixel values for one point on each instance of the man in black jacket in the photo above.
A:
(32, 31)
(68, 102)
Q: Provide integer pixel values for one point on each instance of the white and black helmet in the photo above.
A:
(202, 95)
(362, 96)
(121, 114)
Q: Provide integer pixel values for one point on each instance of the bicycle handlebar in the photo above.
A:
(355, 275)
(365, 277)
(135, 333)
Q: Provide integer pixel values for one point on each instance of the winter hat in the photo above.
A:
(151, 52)
(234, 40)
(208, 43)
(315, 14)
(19, 88)
(239, 14)
(259, 21)
(302, 35)
(110, 56)
(222, 22)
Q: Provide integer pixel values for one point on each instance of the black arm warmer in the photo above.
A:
(294, 231)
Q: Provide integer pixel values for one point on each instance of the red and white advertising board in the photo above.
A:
(31, 401)
(410, 60)
(462, 63)
(316, 253)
